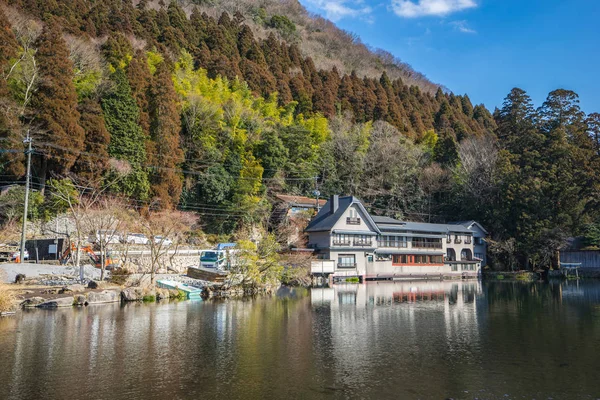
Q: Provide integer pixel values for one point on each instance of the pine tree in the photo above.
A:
(165, 129)
(55, 104)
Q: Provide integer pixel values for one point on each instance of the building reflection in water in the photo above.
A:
(397, 325)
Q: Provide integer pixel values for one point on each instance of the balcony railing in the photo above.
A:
(353, 220)
(341, 242)
(468, 241)
(457, 241)
(363, 242)
(448, 240)
(346, 265)
(427, 245)
(391, 244)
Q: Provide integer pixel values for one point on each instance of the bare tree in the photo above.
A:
(105, 218)
(24, 69)
(163, 229)
(77, 200)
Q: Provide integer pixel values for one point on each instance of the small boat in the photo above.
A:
(190, 291)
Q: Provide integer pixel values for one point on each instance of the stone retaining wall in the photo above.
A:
(169, 263)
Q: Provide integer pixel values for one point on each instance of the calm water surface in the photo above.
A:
(404, 340)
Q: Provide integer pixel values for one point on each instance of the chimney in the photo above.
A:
(334, 203)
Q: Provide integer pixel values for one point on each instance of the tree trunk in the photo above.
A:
(42, 175)
(102, 261)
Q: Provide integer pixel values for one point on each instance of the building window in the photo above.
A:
(466, 255)
(402, 259)
(479, 255)
(436, 259)
(468, 267)
(383, 257)
(346, 261)
(426, 243)
(341, 240)
(454, 267)
(391, 241)
(407, 259)
(353, 218)
(362, 240)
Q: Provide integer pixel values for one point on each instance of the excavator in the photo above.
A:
(109, 263)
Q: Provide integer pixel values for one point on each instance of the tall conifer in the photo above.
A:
(165, 128)
(55, 104)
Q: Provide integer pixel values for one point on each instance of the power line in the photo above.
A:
(179, 170)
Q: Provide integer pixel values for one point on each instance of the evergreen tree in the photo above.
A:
(139, 77)
(93, 163)
(55, 104)
(121, 115)
(445, 151)
(165, 128)
(11, 163)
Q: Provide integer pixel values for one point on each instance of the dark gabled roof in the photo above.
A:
(470, 223)
(325, 220)
(391, 224)
(386, 220)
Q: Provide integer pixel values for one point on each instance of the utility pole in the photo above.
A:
(27, 141)
(317, 193)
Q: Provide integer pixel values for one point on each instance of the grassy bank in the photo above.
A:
(524, 276)
(7, 298)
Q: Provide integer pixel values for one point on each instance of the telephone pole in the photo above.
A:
(27, 141)
(317, 193)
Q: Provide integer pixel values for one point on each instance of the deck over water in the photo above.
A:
(206, 274)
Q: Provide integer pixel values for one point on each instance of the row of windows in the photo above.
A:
(416, 259)
(348, 240)
(463, 267)
(391, 241)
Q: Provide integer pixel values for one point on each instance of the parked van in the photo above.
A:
(135, 238)
(106, 236)
(221, 260)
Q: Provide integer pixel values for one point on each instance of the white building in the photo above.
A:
(350, 242)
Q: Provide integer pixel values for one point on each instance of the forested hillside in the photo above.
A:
(181, 105)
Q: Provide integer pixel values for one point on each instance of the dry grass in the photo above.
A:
(7, 298)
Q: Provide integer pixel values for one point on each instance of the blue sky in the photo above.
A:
(484, 47)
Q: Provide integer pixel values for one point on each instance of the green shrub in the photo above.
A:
(353, 280)
(149, 299)
(283, 24)
(499, 277)
(522, 277)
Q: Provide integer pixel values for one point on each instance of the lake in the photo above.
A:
(400, 340)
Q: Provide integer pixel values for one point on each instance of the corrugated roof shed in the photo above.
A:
(300, 201)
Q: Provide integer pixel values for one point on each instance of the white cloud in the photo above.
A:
(462, 26)
(338, 9)
(420, 8)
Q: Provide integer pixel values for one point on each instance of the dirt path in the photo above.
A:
(9, 271)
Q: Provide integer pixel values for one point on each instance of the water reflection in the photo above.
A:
(430, 339)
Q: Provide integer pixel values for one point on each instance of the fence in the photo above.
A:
(587, 258)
